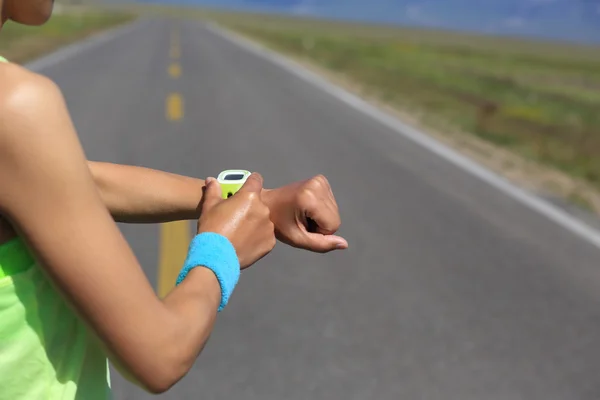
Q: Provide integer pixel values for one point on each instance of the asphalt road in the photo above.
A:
(450, 289)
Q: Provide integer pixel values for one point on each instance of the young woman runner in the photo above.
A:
(72, 293)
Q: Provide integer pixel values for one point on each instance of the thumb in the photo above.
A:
(325, 243)
(212, 194)
(254, 183)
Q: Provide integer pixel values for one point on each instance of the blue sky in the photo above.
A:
(577, 20)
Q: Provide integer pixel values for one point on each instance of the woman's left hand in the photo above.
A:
(306, 215)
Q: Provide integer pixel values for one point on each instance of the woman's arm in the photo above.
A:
(143, 195)
(50, 197)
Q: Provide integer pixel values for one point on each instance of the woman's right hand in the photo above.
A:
(243, 218)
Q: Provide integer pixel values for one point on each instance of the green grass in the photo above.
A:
(539, 99)
(21, 43)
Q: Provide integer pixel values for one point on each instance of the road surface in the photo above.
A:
(450, 289)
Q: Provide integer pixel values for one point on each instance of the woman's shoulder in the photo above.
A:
(37, 137)
(25, 96)
(14, 76)
(19, 83)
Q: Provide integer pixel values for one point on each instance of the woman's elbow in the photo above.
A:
(159, 383)
(157, 373)
(164, 375)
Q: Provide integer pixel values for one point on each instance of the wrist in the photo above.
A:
(205, 283)
(216, 253)
(269, 197)
(195, 205)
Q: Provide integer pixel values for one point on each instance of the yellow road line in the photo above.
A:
(174, 70)
(174, 236)
(174, 36)
(174, 241)
(174, 108)
(175, 49)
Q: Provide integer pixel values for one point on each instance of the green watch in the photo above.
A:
(231, 181)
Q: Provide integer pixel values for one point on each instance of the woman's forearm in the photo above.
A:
(187, 319)
(143, 195)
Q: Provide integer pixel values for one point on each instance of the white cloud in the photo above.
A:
(515, 22)
(542, 1)
(416, 13)
(305, 7)
(413, 11)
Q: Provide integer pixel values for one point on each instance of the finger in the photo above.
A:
(325, 216)
(324, 243)
(212, 194)
(254, 183)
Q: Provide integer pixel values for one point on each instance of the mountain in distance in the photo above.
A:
(569, 20)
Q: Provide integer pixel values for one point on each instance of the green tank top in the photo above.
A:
(46, 350)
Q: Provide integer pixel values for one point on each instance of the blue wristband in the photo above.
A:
(216, 253)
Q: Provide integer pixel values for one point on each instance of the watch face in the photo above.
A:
(234, 177)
